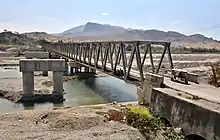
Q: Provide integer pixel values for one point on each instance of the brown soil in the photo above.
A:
(81, 123)
(78, 123)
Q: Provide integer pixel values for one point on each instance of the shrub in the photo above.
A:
(214, 78)
(146, 121)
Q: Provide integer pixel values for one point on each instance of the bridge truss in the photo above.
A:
(114, 55)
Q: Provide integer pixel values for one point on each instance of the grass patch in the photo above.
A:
(148, 123)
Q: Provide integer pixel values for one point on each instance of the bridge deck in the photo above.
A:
(204, 91)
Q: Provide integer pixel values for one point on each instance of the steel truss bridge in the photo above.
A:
(112, 56)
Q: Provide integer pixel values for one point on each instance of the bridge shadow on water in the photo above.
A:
(112, 89)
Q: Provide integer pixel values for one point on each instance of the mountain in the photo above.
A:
(93, 29)
(104, 32)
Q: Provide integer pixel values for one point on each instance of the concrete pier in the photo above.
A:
(28, 82)
(86, 69)
(76, 67)
(28, 66)
(92, 70)
(57, 82)
(66, 71)
(71, 70)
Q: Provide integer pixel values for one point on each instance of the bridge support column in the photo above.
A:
(57, 82)
(50, 55)
(151, 81)
(86, 69)
(92, 70)
(71, 70)
(28, 83)
(66, 68)
(76, 70)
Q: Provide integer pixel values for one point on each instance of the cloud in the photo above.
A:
(105, 14)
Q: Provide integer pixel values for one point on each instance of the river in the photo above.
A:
(96, 90)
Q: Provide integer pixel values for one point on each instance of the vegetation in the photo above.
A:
(214, 78)
(148, 123)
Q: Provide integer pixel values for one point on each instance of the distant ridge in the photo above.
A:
(97, 30)
(104, 32)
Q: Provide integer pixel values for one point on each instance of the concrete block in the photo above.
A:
(28, 65)
(36, 54)
(151, 80)
(155, 79)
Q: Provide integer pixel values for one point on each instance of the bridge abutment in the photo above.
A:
(144, 92)
(195, 116)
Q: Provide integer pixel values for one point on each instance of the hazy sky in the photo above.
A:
(186, 16)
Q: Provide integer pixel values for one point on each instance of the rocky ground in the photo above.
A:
(79, 123)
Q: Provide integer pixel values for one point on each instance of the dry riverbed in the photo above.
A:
(95, 122)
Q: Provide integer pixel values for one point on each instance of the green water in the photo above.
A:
(88, 91)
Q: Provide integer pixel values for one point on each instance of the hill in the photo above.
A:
(15, 38)
(94, 31)
(102, 32)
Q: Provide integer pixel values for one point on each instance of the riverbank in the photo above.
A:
(94, 122)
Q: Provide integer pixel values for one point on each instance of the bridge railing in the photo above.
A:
(114, 55)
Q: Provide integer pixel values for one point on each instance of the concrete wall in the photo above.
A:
(35, 54)
(194, 116)
(29, 65)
